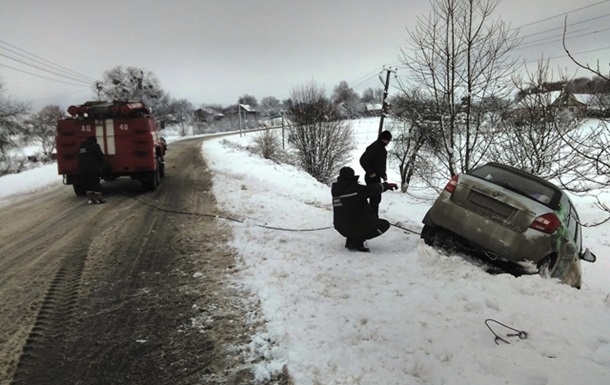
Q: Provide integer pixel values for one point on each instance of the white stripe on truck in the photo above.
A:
(104, 132)
(111, 144)
(99, 133)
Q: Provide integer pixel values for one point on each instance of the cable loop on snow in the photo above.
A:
(518, 333)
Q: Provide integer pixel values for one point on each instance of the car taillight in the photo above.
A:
(546, 223)
(452, 184)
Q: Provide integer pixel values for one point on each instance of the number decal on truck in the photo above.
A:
(85, 128)
(123, 127)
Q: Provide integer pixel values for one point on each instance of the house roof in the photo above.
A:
(535, 99)
(247, 108)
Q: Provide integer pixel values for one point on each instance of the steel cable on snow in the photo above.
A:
(218, 216)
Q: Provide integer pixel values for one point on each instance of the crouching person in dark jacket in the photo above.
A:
(90, 162)
(353, 216)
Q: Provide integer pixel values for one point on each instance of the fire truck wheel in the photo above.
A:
(161, 165)
(156, 178)
(152, 181)
(79, 189)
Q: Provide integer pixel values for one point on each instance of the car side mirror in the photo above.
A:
(588, 256)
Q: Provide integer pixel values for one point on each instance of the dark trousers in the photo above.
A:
(376, 200)
(381, 227)
(91, 182)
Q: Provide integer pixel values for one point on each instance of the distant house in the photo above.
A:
(536, 100)
(208, 114)
(248, 115)
(247, 109)
(581, 104)
(596, 105)
(373, 109)
(575, 103)
(343, 110)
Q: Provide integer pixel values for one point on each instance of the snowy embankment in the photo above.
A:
(403, 314)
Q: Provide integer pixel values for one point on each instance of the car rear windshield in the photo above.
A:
(519, 183)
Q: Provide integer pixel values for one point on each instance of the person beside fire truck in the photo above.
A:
(90, 163)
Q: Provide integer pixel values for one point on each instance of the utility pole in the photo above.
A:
(282, 113)
(239, 114)
(385, 105)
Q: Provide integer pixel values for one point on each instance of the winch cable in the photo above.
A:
(218, 216)
(518, 333)
(399, 226)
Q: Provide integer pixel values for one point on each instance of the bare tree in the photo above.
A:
(345, 96)
(270, 106)
(531, 133)
(42, 128)
(132, 83)
(459, 57)
(323, 142)
(249, 100)
(371, 95)
(597, 70)
(183, 112)
(592, 142)
(413, 132)
(11, 123)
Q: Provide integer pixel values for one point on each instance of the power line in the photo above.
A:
(559, 39)
(569, 25)
(45, 70)
(365, 79)
(40, 76)
(45, 62)
(574, 53)
(34, 61)
(562, 14)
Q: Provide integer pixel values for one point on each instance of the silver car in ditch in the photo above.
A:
(515, 221)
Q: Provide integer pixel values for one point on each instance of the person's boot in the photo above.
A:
(358, 246)
(90, 197)
(99, 198)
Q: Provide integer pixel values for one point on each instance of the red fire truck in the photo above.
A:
(128, 135)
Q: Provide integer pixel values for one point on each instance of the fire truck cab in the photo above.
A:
(128, 135)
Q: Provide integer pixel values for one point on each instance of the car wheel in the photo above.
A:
(428, 234)
(545, 266)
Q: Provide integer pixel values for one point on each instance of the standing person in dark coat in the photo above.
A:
(353, 216)
(90, 162)
(373, 161)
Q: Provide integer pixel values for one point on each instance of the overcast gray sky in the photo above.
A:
(214, 51)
